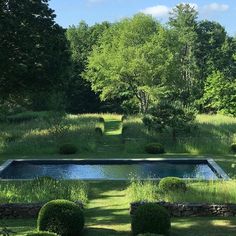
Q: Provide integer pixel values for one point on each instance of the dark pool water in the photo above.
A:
(142, 170)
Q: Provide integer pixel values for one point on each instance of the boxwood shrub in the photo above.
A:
(154, 148)
(68, 149)
(233, 147)
(123, 118)
(40, 233)
(151, 218)
(172, 184)
(101, 120)
(98, 131)
(62, 217)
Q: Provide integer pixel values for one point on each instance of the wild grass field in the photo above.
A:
(213, 134)
(43, 134)
(214, 192)
(43, 190)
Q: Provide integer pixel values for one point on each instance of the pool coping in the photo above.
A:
(212, 164)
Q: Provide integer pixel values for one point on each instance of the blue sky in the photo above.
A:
(71, 12)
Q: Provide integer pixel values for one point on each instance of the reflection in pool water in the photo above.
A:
(101, 171)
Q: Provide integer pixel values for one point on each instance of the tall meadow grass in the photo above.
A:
(36, 136)
(213, 135)
(42, 190)
(218, 192)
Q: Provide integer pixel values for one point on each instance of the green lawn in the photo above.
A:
(107, 212)
(180, 227)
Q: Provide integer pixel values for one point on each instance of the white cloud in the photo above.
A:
(157, 11)
(162, 10)
(213, 7)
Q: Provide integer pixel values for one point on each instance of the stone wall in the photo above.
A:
(22, 210)
(192, 209)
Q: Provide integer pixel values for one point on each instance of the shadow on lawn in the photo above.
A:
(104, 232)
(204, 226)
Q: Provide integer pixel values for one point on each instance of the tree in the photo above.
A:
(165, 115)
(183, 23)
(82, 38)
(220, 94)
(131, 63)
(33, 50)
(211, 38)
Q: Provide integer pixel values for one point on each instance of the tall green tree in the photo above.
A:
(82, 39)
(211, 39)
(33, 50)
(131, 63)
(220, 94)
(183, 24)
(215, 53)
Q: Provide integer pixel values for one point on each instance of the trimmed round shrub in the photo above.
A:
(123, 118)
(233, 147)
(98, 131)
(172, 184)
(101, 120)
(151, 218)
(40, 233)
(124, 129)
(154, 148)
(68, 149)
(62, 217)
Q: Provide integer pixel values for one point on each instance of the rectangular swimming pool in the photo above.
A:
(119, 169)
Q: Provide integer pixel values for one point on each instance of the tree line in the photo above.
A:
(129, 66)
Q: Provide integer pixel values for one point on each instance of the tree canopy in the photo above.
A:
(128, 66)
(33, 49)
(131, 63)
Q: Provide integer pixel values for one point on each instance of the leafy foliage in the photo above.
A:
(62, 217)
(151, 218)
(220, 94)
(33, 50)
(172, 184)
(82, 39)
(165, 115)
(130, 64)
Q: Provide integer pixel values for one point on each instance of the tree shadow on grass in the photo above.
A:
(104, 232)
(204, 226)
